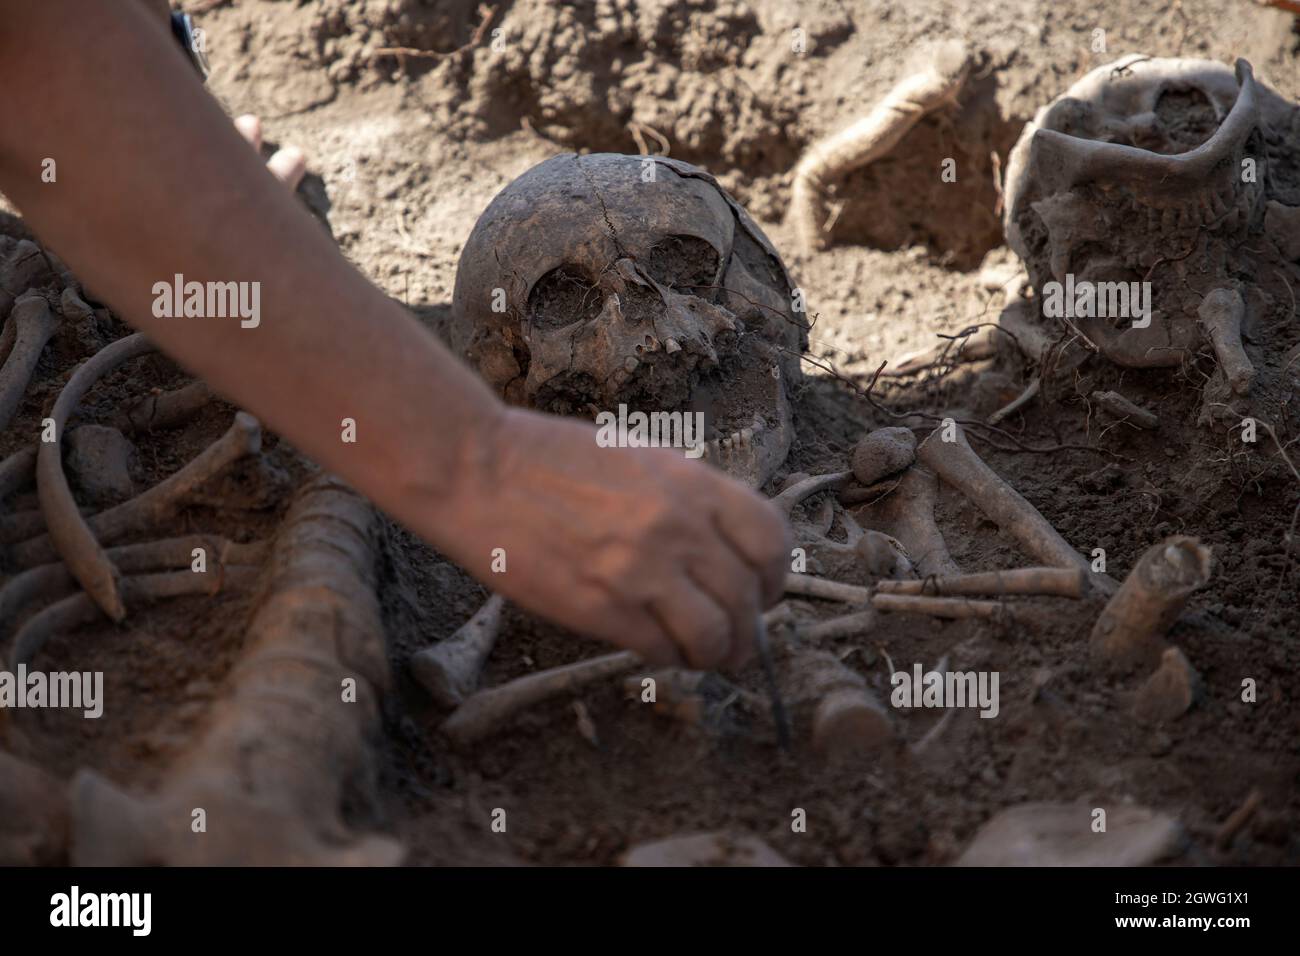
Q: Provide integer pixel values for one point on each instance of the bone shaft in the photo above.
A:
(33, 330)
(165, 410)
(486, 710)
(1221, 315)
(847, 625)
(807, 586)
(1061, 582)
(1123, 409)
(938, 606)
(796, 493)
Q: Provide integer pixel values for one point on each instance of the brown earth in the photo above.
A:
(404, 154)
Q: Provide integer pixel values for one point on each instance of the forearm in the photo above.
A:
(160, 184)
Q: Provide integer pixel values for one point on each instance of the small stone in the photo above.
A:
(886, 451)
(1062, 834)
(1170, 691)
(704, 849)
(98, 459)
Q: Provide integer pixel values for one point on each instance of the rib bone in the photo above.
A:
(34, 324)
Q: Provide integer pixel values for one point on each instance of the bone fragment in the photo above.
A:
(1238, 820)
(1170, 691)
(955, 608)
(157, 505)
(885, 556)
(805, 585)
(872, 137)
(1122, 409)
(485, 711)
(980, 344)
(1221, 315)
(164, 410)
(1133, 624)
(883, 452)
(1059, 582)
(285, 747)
(907, 514)
(958, 465)
(449, 670)
(846, 717)
(1061, 834)
(846, 625)
(808, 487)
(34, 325)
(1017, 403)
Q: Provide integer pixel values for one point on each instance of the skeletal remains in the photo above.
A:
(595, 281)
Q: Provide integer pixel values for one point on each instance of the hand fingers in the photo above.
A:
(250, 127)
(733, 586)
(698, 625)
(760, 536)
(288, 165)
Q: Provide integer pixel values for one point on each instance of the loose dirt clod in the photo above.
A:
(1133, 624)
(286, 745)
(883, 452)
(1170, 691)
(34, 325)
(872, 137)
(99, 460)
(449, 670)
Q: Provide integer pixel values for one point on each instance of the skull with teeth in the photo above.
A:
(603, 280)
(1167, 171)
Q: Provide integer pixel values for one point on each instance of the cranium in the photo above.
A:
(1161, 170)
(603, 280)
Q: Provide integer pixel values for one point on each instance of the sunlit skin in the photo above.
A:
(640, 547)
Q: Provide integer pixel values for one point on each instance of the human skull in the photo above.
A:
(1167, 171)
(603, 280)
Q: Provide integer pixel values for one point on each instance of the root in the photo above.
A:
(80, 609)
(449, 670)
(1133, 624)
(51, 582)
(958, 465)
(67, 529)
(1058, 582)
(486, 711)
(288, 737)
(34, 325)
(1221, 316)
(871, 138)
(160, 503)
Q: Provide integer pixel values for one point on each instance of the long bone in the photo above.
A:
(34, 325)
(1131, 628)
(68, 531)
(51, 582)
(872, 137)
(155, 506)
(289, 732)
(958, 465)
(907, 514)
(449, 670)
(1059, 582)
(1221, 315)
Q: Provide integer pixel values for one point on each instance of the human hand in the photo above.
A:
(641, 547)
(287, 165)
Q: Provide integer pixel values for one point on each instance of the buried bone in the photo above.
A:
(34, 325)
(285, 747)
(907, 515)
(1221, 316)
(845, 716)
(1059, 582)
(1121, 409)
(1133, 624)
(1169, 692)
(958, 465)
(449, 670)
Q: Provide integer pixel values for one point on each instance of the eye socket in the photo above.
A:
(685, 264)
(562, 297)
